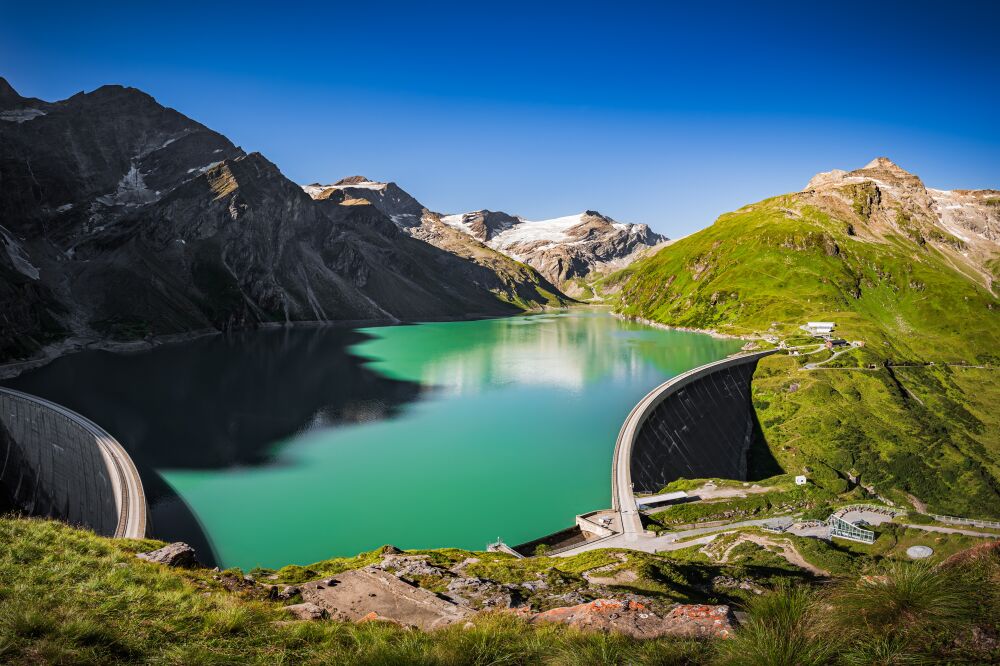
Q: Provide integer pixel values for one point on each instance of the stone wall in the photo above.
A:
(700, 427)
(52, 465)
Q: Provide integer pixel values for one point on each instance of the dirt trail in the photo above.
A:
(787, 550)
(620, 578)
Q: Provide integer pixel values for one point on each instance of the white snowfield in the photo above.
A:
(21, 115)
(316, 190)
(530, 232)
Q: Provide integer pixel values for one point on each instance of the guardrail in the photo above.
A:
(972, 522)
(870, 507)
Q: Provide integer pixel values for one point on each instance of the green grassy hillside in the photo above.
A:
(69, 597)
(929, 429)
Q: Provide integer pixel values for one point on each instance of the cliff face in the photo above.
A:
(120, 218)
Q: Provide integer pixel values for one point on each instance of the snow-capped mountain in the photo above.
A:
(560, 249)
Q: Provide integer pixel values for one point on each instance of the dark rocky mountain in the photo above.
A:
(561, 249)
(123, 219)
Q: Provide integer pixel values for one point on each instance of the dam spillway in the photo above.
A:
(58, 464)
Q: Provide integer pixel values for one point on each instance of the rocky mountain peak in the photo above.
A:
(12, 101)
(7, 93)
(882, 170)
(352, 180)
(595, 216)
(882, 163)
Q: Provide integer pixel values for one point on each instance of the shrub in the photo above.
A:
(781, 629)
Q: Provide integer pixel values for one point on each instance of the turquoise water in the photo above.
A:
(510, 435)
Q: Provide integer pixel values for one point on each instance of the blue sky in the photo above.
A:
(668, 115)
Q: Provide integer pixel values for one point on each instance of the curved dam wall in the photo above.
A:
(699, 424)
(58, 464)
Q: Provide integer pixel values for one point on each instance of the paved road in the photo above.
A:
(671, 540)
(127, 485)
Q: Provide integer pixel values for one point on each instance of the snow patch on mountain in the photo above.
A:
(21, 115)
(17, 255)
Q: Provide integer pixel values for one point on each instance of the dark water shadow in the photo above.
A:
(175, 515)
(218, 402)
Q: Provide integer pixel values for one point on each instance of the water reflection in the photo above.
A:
(560, 350)
(290, 446)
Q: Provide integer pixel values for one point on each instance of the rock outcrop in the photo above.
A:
(369, 593)
(962, 224)
(634, 619)
(177, 554)
(307, 611)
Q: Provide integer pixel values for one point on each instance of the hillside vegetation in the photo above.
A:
(69, 597)
(907, 414)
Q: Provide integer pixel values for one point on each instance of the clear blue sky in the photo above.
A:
(648, 113)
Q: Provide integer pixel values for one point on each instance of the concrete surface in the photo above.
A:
(57, 463)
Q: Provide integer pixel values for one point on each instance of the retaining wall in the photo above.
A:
(58, 464)
(700, 424)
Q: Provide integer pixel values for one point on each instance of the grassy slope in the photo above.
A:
(769, 267)
(67, 596)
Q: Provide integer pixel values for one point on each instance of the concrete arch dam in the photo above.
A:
(59, 464)
(698, 424)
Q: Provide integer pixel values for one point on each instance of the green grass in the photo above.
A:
(931, 431)
(69, 597)
(744, 508)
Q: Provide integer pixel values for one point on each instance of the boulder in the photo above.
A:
(307, 611)
(288, 592)
(176, 554)
(635, 619)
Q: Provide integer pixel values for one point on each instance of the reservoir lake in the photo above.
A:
(293, 445)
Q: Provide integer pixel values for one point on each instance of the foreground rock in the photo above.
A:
(176, 554)
(307, 611)
(370, 594)
(636, 620)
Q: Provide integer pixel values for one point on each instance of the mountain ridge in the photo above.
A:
(126, 220)
(561, 249)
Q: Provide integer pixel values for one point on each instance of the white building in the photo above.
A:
(820, 327)
(800, 480)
